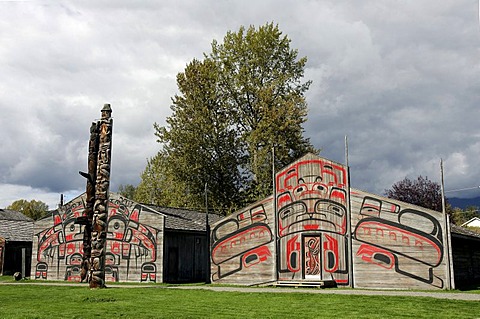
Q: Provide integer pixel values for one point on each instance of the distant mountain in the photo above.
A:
(464, 202)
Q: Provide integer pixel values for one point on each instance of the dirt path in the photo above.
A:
(406, 293)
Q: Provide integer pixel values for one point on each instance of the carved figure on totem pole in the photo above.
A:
(96, 212)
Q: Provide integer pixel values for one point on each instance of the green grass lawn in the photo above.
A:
(33, 301)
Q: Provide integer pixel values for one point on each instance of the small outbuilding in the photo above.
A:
(185, 244)
(466, 257)
(474, 222)
(16, 231)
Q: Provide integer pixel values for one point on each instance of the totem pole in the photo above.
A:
(96, 208)
(87, 218)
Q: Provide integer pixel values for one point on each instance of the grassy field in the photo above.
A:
(33, 301)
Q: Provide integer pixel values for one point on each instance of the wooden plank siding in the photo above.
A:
(242, 246)
(312, 212)
(134, 242)
(393, 244)
(396, 245)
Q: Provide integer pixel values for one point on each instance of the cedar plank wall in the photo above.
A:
(242, 246)
(311, 195)
(134, 243)
(396, 245)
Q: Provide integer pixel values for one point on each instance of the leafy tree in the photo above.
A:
(422, 192)
(234, 106)
(33, 209)
(460, 216)
(148, 191)
(261, 79)
(199, 145)
(127, 191)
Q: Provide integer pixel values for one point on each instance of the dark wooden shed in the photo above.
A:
(466, 257)
(16, 234)
(185, 245)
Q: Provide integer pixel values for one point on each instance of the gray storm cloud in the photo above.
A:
(399, 78)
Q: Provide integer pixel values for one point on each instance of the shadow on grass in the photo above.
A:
(474, 288)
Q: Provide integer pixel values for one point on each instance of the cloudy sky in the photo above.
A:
(401, 79)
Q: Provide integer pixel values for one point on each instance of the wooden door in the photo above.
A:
(312, 257)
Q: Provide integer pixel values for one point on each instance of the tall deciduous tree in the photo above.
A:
(199, 146)
(261, 79)
(156, 182)
(422, 192)
(33, 209)
(238, 103)
(150, 190)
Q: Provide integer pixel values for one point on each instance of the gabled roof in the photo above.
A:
(7, 214)
(185, 219)
(175, 218)
(458, 231)
(310, 156)
(14, 226)
(474, 219)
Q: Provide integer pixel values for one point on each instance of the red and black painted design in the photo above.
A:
(311, 198)
(241, 242)
(312, 256)
(410, 242)
(131, 245)
(392, 239)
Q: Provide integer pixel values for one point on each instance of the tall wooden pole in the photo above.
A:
(91, 177)
(349, 222)
(207, 232)
(95, 217)
(446, 235)
(275, 217)
(100, 209)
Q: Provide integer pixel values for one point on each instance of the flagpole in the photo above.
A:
(446, 233)
(275, 217)
(207, 232)
(349, 220)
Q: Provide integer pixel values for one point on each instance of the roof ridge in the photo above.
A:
(470, 220)
(463, 231)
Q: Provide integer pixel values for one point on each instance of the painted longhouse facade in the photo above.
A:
(315, 228)
(138, 237)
